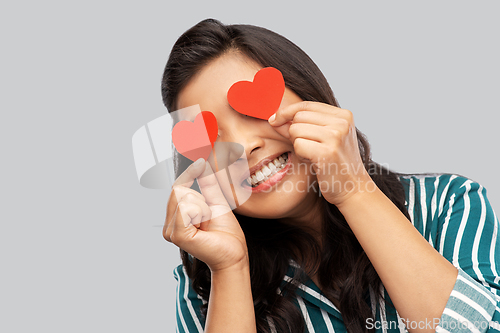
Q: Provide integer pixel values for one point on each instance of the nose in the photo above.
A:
(246, 132)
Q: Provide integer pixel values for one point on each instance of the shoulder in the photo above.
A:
(452, 212)
(439, 183)
(432, 199)
(437, 190)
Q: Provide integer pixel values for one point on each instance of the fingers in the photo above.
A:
(184, 195)
(190, 215)
(182, 186)
(211, 202)
(288, 113)
(210, 188)
(182, 191)
(187, 178)
(307, 149)
(320, 110)
(316, 118)
(207, 182)
(181, 227)
(193, 208)
(335, 130)
(197, 199)
(307, 131)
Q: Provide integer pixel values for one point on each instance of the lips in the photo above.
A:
(267, 172)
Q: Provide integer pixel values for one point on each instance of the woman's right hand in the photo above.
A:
(217, 241)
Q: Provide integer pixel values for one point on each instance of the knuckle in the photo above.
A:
(190, 197)
(298, 145)
(182, 206)
(344, 127)
(348, 116)
(335, 135)
(173, 239)
(331, 150)
(177, 189)
(300, 116)
(167, 229)
(305, 105)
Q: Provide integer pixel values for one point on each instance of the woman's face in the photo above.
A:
(291, 187)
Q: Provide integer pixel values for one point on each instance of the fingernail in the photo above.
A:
(272, 118)
(199, 162)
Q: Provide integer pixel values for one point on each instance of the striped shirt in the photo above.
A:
(453, 214)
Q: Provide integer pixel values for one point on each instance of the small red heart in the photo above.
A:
(196, 139)
(260, 98)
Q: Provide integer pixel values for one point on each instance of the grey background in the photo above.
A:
(81, 245)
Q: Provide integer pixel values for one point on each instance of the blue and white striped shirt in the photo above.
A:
(455, 217)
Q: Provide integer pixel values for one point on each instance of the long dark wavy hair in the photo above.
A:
(344, 270)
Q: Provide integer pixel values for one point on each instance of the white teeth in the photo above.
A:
(266, 171)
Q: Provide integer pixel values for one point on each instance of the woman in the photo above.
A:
(363, 249)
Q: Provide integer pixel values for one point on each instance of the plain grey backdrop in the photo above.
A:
(81, 242)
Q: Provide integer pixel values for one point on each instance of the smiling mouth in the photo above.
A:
(267, 171)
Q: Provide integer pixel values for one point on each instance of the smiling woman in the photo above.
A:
(329, 240)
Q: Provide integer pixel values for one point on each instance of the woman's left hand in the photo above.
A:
(325, 136)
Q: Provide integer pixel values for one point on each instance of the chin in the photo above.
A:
(274, 206)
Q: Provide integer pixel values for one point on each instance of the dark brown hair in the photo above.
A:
(344, 271)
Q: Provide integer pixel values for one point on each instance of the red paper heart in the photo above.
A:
(260, 98)
(196, 139)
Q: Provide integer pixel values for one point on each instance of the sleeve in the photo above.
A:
(469, 239)
(187, 305)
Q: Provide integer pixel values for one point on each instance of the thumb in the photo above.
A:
(210, 188)
(283, 130)
(186, 179)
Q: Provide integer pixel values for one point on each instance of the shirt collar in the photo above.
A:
(309, 291)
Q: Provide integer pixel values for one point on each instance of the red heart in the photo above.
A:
(260, 98)
(196, 139)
